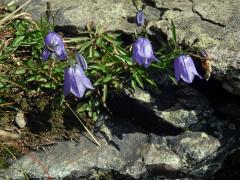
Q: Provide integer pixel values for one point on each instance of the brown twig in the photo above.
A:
(83, 124)
(5, 19)
(8, 134)
(197, 56)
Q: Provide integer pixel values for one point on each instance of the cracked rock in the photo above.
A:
(216, 25)
(129, 154)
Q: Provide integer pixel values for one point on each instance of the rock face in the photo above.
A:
(230, 167)
(74, 15)
(141, 143)
(125, 152)
(216, 25)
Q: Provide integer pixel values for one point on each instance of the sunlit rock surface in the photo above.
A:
(216, 25)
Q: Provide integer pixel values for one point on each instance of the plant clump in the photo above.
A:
(43, 73)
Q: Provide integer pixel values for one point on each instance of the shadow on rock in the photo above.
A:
(142, 117)
(230, 167)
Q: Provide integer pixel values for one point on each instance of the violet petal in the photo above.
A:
(140, 18)
(81, 61)
(45, 55)
(184, 68)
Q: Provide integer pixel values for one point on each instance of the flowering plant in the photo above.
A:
(104, 62)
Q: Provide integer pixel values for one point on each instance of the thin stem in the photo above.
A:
(82, 124)
(16, 84)
(8, 134)
(5, 19)
(10, 152)
(201, 58)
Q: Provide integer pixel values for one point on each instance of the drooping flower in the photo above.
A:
(140, 19)
(75, 81)
(184, 68)
(54, 46)
(143, 52)
(81, 61)
(203, 53)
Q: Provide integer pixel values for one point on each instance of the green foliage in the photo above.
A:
(21, 58)
(110, 67)
(174, 35)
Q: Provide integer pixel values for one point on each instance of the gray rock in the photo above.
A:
(184, 108)
(194, 147)
(216, 25)
(230, 166)
(180, 118)
(161, 154)
(125, 153)
(111, 15)
(140, 95)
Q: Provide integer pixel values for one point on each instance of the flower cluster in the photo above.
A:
(75, 80)
(143, 54)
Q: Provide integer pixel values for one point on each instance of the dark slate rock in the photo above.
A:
(125, 153)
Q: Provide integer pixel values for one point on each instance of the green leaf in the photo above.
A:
(90, 53)
(49, 85)
(85, 45)
(173, 31)
(30, 63)
(20, 71)
(17, 41)
(173, 79)
(124, 59)
(150, 81)
(77, 39)
(104, 97)
(133, 84)
(1, 85)
(138, 79)
(107, 78)
(98, 67)
(31, 79)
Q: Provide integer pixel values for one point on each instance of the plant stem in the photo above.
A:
(199, 57)
(82, 124)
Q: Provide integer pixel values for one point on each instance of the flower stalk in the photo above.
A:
(95, 140)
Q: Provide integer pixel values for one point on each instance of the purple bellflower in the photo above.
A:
(184, 68)
(81, 61)
(54, 46)
(75, 80)
(140, 19)
(143, 52)
(203, 53)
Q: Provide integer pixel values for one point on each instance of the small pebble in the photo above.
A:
(20, 120)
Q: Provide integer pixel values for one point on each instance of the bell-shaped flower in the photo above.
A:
(75, 81)
(140, 19)
(184, 68)
(81, 61)
(54, 46)
(143, 52)
(203, 53)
